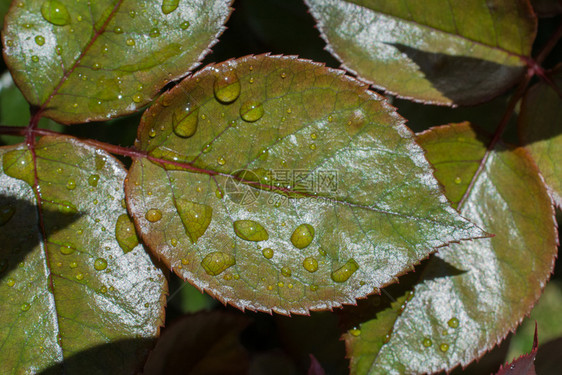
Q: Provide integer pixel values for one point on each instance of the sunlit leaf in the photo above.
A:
(444, 52)
(65, 284)
(299, 190)
(541, 133)
(473, 293)
(93, 60)
(205, 343)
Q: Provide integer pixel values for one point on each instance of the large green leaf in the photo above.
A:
(540, 131)
(66, 284)
(93, 60)
(474, 293)
(277, 184)
(438, 51)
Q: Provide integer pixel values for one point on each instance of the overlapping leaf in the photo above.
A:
(439, 51)
(540, 130)
(93, 60)
(454, 317)
(277, 184)
(65, 283)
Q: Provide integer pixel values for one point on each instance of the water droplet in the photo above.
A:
(453, 323)
(221, 161)
(344, 272)
(310, 264)
(73, 264)
(355, 332)
(314, 288)
(55, 12)
(444, 347)
(355, 122)
(184, 25)
(6, 213)
(79, 276)
(10, 282)
(125, 233)
(71, 184)
(207, 148)
(386, 338)
(93, 180)
(195, 217)
(35, 58)
(96, 66)
(168, 6)
(9, 43)
(103, 289)
(100, 264)
(283, 75)
(118, 30)
(154, 33)
(302, 236)
(280, 284)
(227, 87)
(251, 111)
(312, 146)
(132, 14)
(268, 253)
(458, 180)
(218, 194)
(216, 262)
(313, 136)
(25, 306)
(185, 124)
(67, 249)
(130, 42)
(137, 98)
(152, 133)
(286, 271)
(427, 342)
(250, 230)
(40, 40)
(153, 215)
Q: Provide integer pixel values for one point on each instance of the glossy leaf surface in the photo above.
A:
(443, 52)
(540, 130)
(298, 189)
(474, 293)
(65, 284)
(93, 60)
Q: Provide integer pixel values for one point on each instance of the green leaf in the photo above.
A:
(83, 61)
(299, 190)
(472, 294)
(442, 52)
(541, 109)
(65, 284)
(205, 343)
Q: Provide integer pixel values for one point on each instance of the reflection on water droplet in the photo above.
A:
(427, 342)
(130, 42)
(314, 288)
(386, 338)
(100, 264)
(96, 66)
(227, 87)
(184, 25)
(168, 6)
(185, 123)
(453, 323)
(67, 249)
(152, 133)
(153, 215)
(286, 271)
(40, 40)
(283, 75)
(250, 230)
(35, 58)
(73, 264)
(6, 213)
(343, 273)
(55, 12)
(355, 332)
(458, 180)
(79, 276)
(310, 264)
(195, 217)
(71, 184)
(251, 111)
(268, 253)
(10, 282)
(221, 161)
(25, 306)
(118, 30)
(444, 347)
(154, 32)
(302, 236)
(132, 14)
(103, 289)
(137, 98)
(93, 180)
(216, 262)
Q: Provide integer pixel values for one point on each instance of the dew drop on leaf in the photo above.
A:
(444, 347)
(6, 213)
(286, 271)
(154, 33)
(137, 98)
(184, 25)
(130, 42)
(79, 276)
(153, 215)
(118, 30)
(40, 40)
(268, 253)
(250, 230)
(355, 332)
(93, 180)
(251, 111)
(195, 217)
(427, 342)
(453, 323)
(55, 12)
(314, 288)
(35, 58)
(343, 273)
(67, 249)
(168, 6)
(386, 338)
(302, 236)
(216, 262)
(185, 124)
(71, 184)
(10, 282)
(227, 87)
(73, 264)
(100, 264)
(25, 306)
(125, 233)
(310, 264)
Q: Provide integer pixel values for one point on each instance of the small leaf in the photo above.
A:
(540, 110)
(471, 295)
(205, 343)
(524, 365)
(324, 170)
(442, 52)
(84, 61)
(66, 286)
